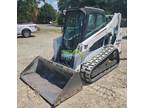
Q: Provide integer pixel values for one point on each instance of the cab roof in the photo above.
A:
(87, 10)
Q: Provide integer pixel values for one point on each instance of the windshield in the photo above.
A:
(74, 23)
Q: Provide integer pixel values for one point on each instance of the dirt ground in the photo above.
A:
(108, 92)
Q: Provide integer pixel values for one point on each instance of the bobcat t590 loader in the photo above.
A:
(88, 49)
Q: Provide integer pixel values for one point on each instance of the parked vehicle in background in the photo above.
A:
(25, 30)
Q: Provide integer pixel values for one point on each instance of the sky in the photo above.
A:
(53, 3)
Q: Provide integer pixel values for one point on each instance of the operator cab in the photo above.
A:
(79, 24)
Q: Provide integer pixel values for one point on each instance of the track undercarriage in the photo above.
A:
(100, 64)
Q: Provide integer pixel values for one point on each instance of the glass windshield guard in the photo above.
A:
(74, 23)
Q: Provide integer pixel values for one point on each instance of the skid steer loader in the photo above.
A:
(88, 50)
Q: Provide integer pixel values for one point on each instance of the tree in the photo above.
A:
(24, 11)
(110, 6)
(27, 10)
(46, 14)
(60, 19)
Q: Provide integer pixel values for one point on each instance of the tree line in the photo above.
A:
(28, 10)
(110, 7)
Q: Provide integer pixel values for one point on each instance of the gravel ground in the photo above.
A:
(108, 92)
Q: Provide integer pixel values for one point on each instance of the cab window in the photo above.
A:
(100, 20)
(95, 22)
(91, 23)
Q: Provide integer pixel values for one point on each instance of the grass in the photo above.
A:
(54, 30)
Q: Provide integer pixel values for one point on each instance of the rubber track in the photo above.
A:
(88, 67)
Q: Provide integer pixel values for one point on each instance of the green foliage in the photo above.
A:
(46, 14)
(110, 6)
(60, 19)
(25, 9)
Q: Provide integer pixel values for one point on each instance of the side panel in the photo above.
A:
(19, 29)
(31, 27)
(113, 28)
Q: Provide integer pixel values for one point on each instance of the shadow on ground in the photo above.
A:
(27, 37)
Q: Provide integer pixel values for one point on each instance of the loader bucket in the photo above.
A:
(53, 81)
